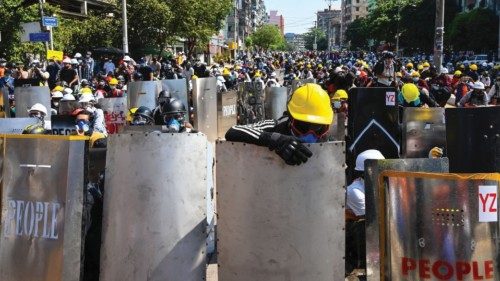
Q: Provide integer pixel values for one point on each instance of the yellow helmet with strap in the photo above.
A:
(310, 103)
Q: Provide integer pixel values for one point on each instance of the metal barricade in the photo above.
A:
(439, 226)
(373, 169)
(280, 222)
(42, 195)
(227, 114)
(115, 113)
(275, 102)
(15, 126)
(297, 83)
(143, 93)
(177, 88)
(205, 106)
(250, 103)
(423, 129)
(26, 97)
(154, 218)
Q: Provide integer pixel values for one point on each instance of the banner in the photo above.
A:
(439, 226)
(55, 55)
(115, 113)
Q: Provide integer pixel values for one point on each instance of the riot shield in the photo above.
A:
(177, 88)
(115, 113)
(205, 106)
(373, 123)
(68, 107)
(26, 97)
(373, 169)
(280, 222)
(63, 124)
(42, 208)
(439, 226)
(227, 114)
(297, 83)
(154, 218)
(4, 102)
(275, 102)
(473, 139)
(15, 126)
(423, 129)
(143, 93)
(250, 103)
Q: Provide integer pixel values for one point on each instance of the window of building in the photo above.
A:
(357, 1)
(357, 9)
(357, 17)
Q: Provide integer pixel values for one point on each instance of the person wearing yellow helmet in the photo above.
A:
(339, 101)
(114, 90)
(411, 96)
(307, 120)
(409, 67)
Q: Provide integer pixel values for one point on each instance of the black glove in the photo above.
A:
(287, 147)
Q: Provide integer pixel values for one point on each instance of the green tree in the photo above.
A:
(197, 20)
(476, 30)
(357, 33)
(321, 39)
(267, 37)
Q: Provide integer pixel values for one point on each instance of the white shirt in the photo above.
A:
(355, 197)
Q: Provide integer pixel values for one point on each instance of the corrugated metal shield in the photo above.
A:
(43, 178)
(280, 222)
(154, 219)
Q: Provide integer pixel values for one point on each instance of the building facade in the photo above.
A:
(329, 21)
(467, 5)
(352, 10)
(296, 41)
(277, 20)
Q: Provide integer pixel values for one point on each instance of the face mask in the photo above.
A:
(415, 79)
(90, 108)
(82, 126)
(309, 138)
(174, 125)
(139, 122)
(337, 104)
(38, 115)
(112, 87)
(56, 104)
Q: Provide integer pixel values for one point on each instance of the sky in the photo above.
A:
(299, 14)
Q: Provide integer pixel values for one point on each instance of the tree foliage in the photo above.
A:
(268, 37)
(321, 39)
(476, 30)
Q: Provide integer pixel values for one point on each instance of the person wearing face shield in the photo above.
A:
(88, 103)
(174, 116)
(38, 111)
(307, 120)
(163, 98)
(143, 116)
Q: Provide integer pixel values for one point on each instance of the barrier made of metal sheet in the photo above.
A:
(423, 129)
(42, 195)
(250, 103)
(275, 102)
(205, 106)
(280, 222)
(15, 126)
(177, 88)
(373, 168)
(26, 97)
(143, 93)
(227, 114)
(439, 226)
(154, 218)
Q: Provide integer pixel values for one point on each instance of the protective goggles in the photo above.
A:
(35, 114)
(140, 120)
(177, 116)
(300, 128)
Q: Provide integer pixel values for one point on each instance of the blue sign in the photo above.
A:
(50, 21)
(40, 37)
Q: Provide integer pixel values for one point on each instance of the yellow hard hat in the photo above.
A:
(398, 74)
(420, 67)
(415, 74)
(84, 91)
(410, 92)
(462, 66)
(473, 67)
(340, 95)
(320, 66)
(409, 65)
(310, 103)
(130, 113)
(226, 72)
(237, 67)
(426, 64)
(95, 137)
(113, 81)
(457, 73)
(58, 88)
(194, 77)
(257, 74)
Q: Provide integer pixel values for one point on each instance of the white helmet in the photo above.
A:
(68, 97)
(74, 61)
(87, 98)
(78, 55)
(367, 155)
(66, 60)
(57, 95)
(444, 70)
(68, 91)
(126, 58)
(38, 107)
(478, 86)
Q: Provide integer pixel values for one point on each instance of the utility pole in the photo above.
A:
(40, 5)
(125, 26)
(438, 39)
(315, 45)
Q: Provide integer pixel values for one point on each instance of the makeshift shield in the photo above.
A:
(63, 124)
(280, 222)
(275, 102)
(423, 129)
(42, 195)
(178, 90)
(15, 126)
(26, 97)
(227, 114)
(250, 103)
(205, 106)
(154, 218)
(143, 93)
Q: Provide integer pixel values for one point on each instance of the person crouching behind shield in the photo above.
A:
(38, 111)
(84, 127)
(143, 116)
(307, 120)
(174, 113)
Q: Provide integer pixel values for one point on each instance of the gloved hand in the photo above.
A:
(436, 152)
(289, 148)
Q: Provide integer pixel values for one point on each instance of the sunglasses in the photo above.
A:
(301, 128)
